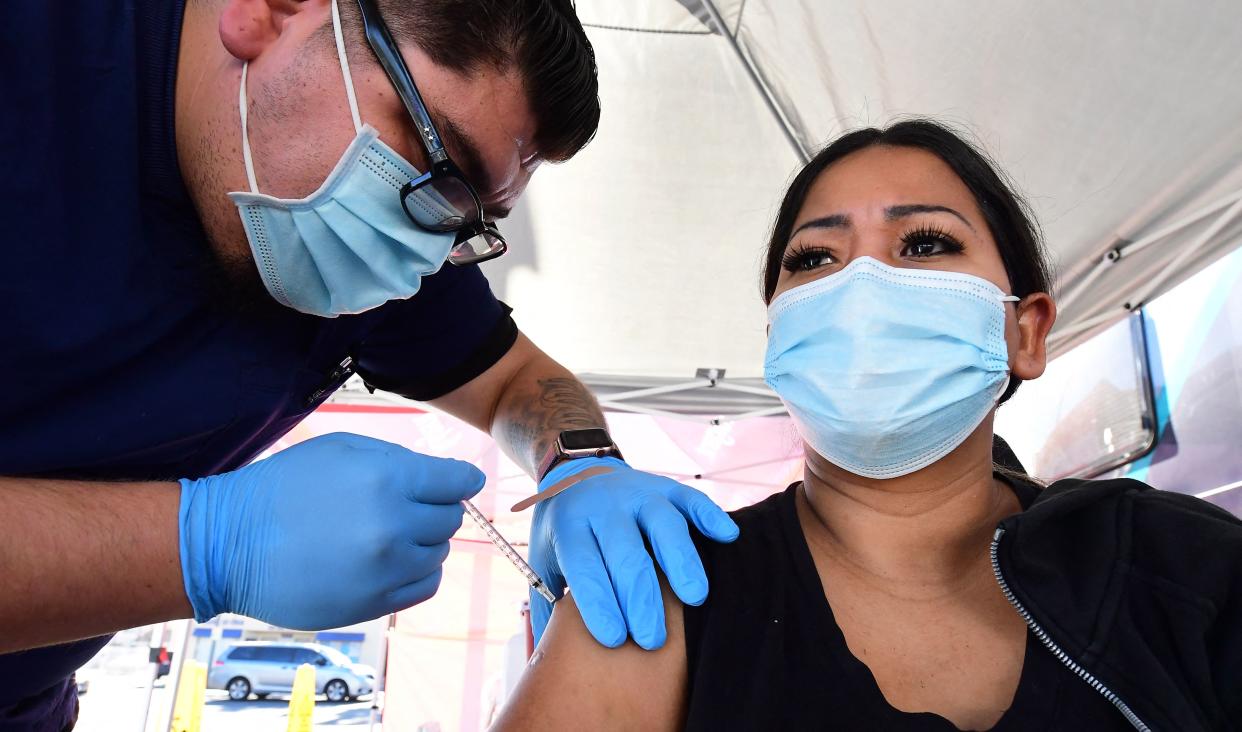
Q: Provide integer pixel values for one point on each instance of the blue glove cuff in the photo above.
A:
(195, 541)
(573, 467)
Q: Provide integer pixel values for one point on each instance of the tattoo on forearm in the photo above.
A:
(534, 420)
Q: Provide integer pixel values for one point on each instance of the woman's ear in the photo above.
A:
(1036, 315)
(248, 27)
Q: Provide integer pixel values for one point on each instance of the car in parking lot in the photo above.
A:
(262, 668)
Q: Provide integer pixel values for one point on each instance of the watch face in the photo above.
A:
(585, 439)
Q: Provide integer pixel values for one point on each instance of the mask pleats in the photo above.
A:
(886, 370)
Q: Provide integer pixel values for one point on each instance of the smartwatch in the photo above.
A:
(574, 444)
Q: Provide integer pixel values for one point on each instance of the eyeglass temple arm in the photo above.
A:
(387, 51)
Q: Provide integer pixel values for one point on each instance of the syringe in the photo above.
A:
(507, 549)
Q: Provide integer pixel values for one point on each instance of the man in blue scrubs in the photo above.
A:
(159, 333)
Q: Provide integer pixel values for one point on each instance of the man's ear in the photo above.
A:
(1036, 315)
(248, 27)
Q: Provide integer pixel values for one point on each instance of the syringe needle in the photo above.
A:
(507, 549)
(543, 590)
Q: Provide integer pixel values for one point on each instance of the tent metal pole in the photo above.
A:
(745, 389)
(657, 390)
(623, 407)
(1188, 251)
(1124, 250)
(1139, 245)
(769, 412)
(1073, 330)
(1105, 262)
(782, 119)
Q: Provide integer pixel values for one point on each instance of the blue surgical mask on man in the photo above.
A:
(887, 370)
(349, 246)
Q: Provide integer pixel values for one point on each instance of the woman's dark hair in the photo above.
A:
(1007, 215)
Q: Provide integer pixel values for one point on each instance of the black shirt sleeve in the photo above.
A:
(450, 332)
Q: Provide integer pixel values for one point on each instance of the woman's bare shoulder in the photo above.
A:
(573, 682)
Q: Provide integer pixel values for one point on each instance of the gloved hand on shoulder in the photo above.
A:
(591, 537)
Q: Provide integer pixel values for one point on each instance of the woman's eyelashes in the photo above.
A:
(807, 258)
(921, 243)
(929, 241)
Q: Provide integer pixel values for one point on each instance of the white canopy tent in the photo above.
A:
(639, 260)
(637, 263)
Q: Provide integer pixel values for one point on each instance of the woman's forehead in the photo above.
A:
(882, 176)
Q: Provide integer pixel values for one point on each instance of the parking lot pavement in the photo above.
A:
(115, 702)
(117, 696)
(118, 678)
(263, 715)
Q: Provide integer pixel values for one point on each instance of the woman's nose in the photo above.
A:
(879, 248)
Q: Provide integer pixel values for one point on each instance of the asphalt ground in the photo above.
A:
(116, 697)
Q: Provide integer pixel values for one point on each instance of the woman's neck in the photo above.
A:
(922, 535)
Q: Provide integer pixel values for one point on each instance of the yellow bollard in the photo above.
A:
(188, 713)
(200, 695)
(302, 701)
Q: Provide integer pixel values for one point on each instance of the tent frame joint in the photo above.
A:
(1225, 209)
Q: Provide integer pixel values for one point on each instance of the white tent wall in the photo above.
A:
(642, 253)
(641, 256)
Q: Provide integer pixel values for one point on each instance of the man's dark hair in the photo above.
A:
(541, 39)
(1008, 217)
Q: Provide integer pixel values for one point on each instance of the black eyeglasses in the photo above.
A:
(440, 200)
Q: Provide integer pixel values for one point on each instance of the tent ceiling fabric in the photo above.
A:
(641, 256)
(662, 16)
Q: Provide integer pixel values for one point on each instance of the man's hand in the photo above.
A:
(329, 532)
(591, 536)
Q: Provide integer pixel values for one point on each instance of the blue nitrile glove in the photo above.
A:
(330, 532)
(592, 536)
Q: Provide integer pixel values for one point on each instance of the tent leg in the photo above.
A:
(782, 119)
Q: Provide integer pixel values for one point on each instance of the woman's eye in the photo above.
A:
(807, 259)
(929, 243)
(924, 248)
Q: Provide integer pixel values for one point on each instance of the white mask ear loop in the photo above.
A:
(242, 105)
(1008, 373)
(1004, 387)
(349, 79)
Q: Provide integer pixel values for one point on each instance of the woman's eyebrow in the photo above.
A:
(835, 221)
(892, 213)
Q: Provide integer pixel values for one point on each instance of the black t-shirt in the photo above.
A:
(124, 359)
(764, 651)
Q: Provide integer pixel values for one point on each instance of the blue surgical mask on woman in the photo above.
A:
(887, 370)
(349, 246)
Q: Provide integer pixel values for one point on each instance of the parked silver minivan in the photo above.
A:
(262, 668)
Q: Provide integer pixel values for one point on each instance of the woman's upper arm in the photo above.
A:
(572, 682)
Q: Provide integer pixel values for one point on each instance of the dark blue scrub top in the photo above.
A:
(123, 359)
